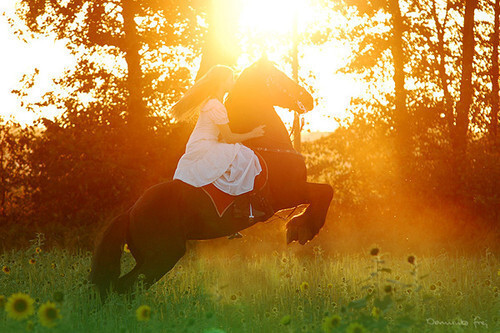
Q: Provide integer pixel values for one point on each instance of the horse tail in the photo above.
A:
(105, 268)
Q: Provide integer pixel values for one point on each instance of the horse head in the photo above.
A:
(258, 89)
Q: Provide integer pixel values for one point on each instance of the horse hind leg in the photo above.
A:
(152, 267)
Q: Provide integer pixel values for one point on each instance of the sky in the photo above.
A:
(19, 58)
(51, 58)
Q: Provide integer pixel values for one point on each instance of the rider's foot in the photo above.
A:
(261, 205)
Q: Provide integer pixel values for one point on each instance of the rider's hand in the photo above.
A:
(258, 131)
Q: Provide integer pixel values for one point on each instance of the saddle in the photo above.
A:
(222, 201)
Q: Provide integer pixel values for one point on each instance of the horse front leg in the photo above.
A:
(304, 227)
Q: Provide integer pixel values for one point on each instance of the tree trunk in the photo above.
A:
(466, 90)
(401, 111)
(137, 112)
(443, 77)
(494, 74)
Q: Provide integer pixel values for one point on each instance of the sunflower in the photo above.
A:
(356, 328)
(329, 323)
(374, 251)
(32, 261)
(38, 250)
(19, 306)
(6, 269)
(143, 313)
(48, 314)
(304, 286)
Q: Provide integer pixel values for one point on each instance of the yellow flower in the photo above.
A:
(53, 265)
(330, 286)
(48, 314)
(38, 250)
(32, 261)
(6, 269)
(286, 320)
(126, 249)
(304, 286)
(143, 313)
(329, 323)
(376, 312)
(356, 328)
(19, 306)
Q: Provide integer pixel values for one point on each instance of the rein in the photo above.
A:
(278, 150)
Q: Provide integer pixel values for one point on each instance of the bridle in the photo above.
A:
(271, 82)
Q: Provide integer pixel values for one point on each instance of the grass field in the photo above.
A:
(273, 292)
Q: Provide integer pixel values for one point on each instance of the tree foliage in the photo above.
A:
(114, 137)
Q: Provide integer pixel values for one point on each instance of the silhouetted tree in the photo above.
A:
(466, 91)
(14, 171)
(140, 39)
(114, 136)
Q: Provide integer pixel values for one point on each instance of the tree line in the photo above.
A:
(429, 114)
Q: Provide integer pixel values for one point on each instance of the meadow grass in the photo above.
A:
(273, 292)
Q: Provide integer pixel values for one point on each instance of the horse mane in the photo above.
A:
(248, 106)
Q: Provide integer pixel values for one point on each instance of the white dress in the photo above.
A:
(232, 168)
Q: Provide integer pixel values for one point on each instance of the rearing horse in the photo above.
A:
(257, 90)
(158, 225)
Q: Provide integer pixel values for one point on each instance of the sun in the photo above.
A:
(275, 16)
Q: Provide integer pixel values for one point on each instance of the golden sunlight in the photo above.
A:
(264, 26)
(275, 16)
(267, 26)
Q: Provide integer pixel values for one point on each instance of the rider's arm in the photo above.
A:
(229, 137)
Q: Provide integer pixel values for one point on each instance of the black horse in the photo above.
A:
(157, 227)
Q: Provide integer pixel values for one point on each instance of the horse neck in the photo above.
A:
(246, 116)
